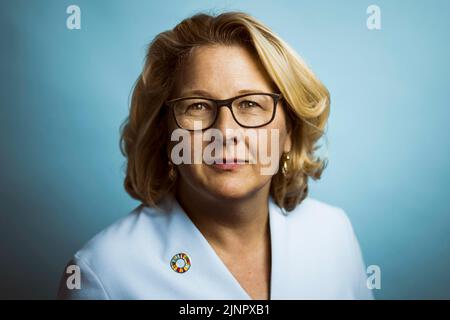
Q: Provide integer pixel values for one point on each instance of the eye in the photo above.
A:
(198, 107)
(247, 104)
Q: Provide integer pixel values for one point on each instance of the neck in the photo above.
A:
(228, 224)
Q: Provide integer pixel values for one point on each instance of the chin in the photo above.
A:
(230, 189)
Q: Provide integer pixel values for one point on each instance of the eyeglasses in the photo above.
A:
(251, 110)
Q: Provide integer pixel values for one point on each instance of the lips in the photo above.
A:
(229, 164)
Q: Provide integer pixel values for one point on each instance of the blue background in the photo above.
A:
(64, 94)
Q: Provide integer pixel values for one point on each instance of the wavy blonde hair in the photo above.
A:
(144, 134)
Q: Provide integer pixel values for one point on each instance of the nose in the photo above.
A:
(226, 121)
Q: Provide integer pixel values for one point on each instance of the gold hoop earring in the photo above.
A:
(285, 168)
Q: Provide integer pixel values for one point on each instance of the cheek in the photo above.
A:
(280, 123)
(271, 141)
(271, 145)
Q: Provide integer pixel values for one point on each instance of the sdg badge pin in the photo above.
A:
(180, 262)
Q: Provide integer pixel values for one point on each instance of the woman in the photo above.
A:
(223, 224)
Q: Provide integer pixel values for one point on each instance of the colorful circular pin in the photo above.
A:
(180, 262)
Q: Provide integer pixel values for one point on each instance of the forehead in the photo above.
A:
(222, 71)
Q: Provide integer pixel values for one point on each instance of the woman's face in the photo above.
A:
(222, 72)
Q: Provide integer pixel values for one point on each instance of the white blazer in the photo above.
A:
(315, 255)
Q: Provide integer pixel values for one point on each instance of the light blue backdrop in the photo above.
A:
(64, 94)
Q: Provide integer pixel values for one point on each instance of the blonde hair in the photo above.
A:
(145, 136)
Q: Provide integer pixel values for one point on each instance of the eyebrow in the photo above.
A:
(209, 95)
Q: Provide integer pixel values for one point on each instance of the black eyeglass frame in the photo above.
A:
(227, 103)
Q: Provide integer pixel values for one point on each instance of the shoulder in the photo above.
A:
(321, 229)
(327, 250)
(322, 232)
(321, 217)
(127, 237)
(109, 261)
